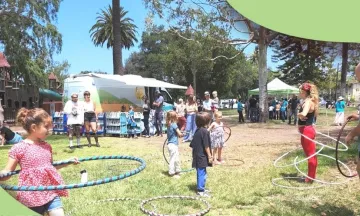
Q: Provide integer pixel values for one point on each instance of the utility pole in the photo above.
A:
(336, 83)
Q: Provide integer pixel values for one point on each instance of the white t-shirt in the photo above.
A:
(70, 106)
(207, 104)
(271, 108)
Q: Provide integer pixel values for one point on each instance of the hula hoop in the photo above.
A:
(167, 161)
(203, 212)
(320, 181)
(79, 185)
(296, 162)
(227, 131)
(337, 151)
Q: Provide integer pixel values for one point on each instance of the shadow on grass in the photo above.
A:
(293, 176)
(303, 208)
(192, 187)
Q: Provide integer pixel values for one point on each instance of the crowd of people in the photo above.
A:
(203, 128)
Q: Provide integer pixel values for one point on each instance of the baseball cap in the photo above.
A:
(207, 93)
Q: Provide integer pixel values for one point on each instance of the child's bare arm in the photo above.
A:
(211, 126)
(354, 132)
(208, 152)
(179, 132)
(74, 161)
(10, 166)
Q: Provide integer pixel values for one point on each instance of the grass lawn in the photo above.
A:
(240, 187)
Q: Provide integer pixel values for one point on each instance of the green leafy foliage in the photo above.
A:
(28, 37)
(303, 59)
(166, 56)
(102, 30)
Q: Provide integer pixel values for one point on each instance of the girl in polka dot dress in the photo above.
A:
(34, 156)
(217, 134)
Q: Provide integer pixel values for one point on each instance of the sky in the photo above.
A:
(75, 19)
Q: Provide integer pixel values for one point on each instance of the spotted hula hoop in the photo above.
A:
(80, 185)
(148, 212)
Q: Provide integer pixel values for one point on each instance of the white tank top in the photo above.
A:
(89, 106)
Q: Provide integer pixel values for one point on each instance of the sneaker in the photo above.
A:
(79, 146)
(97, 145)
(203, 194)
(147, 136)
(89, 145)
(207, 191)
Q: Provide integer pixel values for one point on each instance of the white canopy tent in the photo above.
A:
(135, 80)
(276, 87)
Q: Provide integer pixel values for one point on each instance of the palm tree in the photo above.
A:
(102, 32)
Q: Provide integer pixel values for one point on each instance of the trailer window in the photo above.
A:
(166, 97)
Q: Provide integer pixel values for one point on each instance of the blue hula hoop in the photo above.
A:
(80, 185)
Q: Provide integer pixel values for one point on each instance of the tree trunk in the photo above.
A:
(117, 52)
(344, 67)
(263, 74)
(194, 80)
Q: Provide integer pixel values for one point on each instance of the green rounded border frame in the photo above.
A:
(318, 20)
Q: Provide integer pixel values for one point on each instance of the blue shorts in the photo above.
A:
(17, 138)
(52, 205)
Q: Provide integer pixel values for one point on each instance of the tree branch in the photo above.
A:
(272, 36)
(228, 58)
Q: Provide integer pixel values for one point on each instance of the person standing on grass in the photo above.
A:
(191, 110)
(215, 101)
(217, 134)
(180, 110)
(308, 111)
(9, 136)
(75, 119)
(207, 104)
(201, 152)
(146, 115)
(283, 109)
(173, 134)
(294, 104)
(90, 119)
(271, 112)
(131, 123)
(240, 111)
(355, 131)
(339, 109)
(158, 103)
(277, 110)
(34, 155)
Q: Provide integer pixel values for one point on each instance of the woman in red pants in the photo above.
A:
(308, 111)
